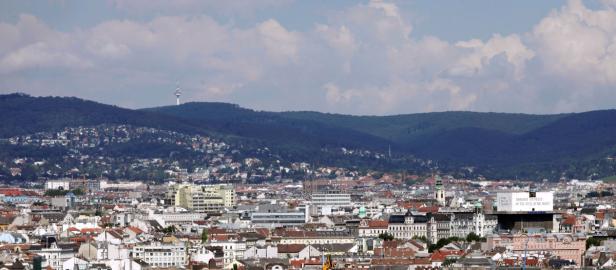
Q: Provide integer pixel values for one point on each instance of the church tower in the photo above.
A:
(439, 193)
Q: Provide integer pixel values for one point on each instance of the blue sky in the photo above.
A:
(357, 57)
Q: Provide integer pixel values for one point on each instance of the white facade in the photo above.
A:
(175, 218)
(208, 198)
(275, 216)
(332, 199)
(75, 264)
(162, 255)
(122, 185)
(202, 255)
(267, 252)
(233, 250)
(525, 202)
(55, 256)
(58, 184)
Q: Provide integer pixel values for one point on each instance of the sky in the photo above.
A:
(372, 57)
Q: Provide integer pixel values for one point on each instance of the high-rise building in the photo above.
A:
(204, 199)
(331, 198)
(274, 215)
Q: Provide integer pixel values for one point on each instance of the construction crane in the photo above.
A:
(328, 263)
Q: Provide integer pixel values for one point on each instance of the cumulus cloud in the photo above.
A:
(362, 59)
(30, 44)
(576, 43)
(516, 54)
(339, 38)
(280, 43)
(336, 96)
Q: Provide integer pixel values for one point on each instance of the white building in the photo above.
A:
(55, 256)
(64, 184)
(202, 199)
(105, 185)
(167, 218)
(333, 199)
(525, 201)
(233, 249)
(202, 255)
(161, 255)
(266, 252)
(76, 264)
(273, 215)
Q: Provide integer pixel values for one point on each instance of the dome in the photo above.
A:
(362, 212)
(478, 204)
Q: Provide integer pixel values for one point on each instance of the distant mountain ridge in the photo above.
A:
(497, 144)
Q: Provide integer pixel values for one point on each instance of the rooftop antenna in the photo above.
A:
(177, 93)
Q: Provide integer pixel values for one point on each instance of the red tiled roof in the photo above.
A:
(91, 230)
(570, 220)
(411, 205)
(441, 255)
(422, 261)
(390, 244)
(219, 237)
(263, 231)
(10, 191)
(509, 262)
(428, 209)
(300, 263)
(378, 224)
(135, 230)
(392, 261)
(394, 252)
(290, 248)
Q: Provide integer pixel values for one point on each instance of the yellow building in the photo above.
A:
(204, 198)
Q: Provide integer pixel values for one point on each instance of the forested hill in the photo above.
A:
(495, 144)
(24, 114)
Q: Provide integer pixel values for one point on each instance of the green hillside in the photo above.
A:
(495, 144)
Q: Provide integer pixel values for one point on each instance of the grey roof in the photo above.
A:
(333, 247)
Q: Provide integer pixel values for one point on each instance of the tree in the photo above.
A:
(169, 229)
(449, 261)
(422, 238)
(204, 236)
(28, 173)
(592, 241)
(386, 236)
(473, 237)
(443, 242)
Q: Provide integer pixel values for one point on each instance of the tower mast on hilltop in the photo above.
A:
(177, 93)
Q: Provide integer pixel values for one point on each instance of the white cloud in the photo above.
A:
(30, 44)
(40, 55)
(280, 43)
(341, 39)
(335, 96)
(364, 59)
(516, 54)
(576, 43)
